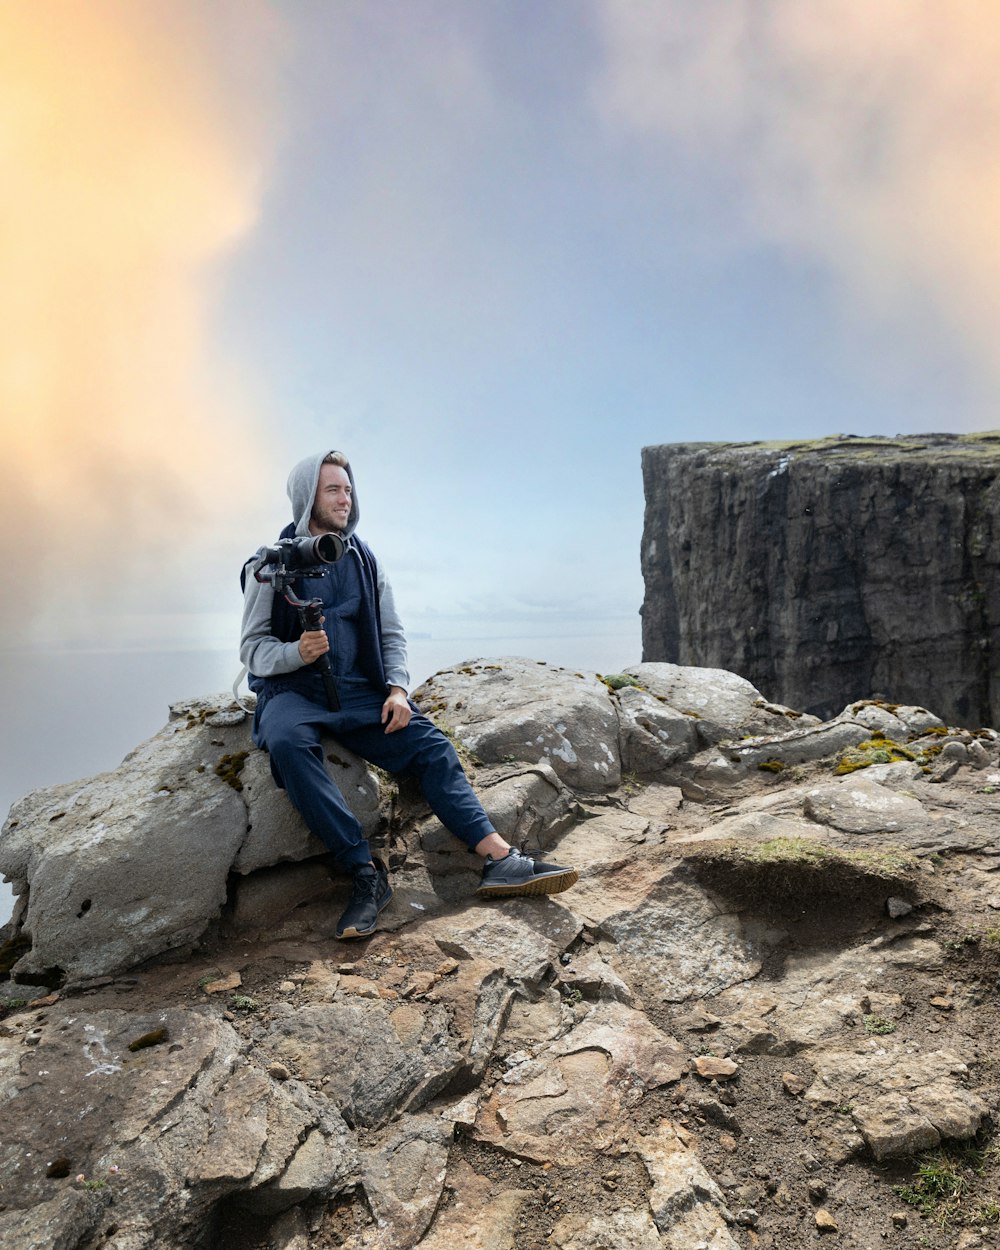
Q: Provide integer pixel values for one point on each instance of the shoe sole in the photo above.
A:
(552, 884)
(348, 934)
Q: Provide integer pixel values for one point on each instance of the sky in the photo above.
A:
(490, 249)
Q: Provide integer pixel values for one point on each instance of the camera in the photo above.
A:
(300, 554)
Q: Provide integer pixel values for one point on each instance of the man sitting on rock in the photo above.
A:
(363, 637)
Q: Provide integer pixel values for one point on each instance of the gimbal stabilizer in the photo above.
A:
(281, 567)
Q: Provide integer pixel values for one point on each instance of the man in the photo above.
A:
(363, 637)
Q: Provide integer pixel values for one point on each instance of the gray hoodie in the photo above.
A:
(267, 656)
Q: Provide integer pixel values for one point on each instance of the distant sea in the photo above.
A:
(71, 714)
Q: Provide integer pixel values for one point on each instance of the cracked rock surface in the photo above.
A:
(772, 990)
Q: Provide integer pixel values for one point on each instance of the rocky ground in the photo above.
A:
(766, 1016)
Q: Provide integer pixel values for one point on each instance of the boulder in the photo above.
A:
(721, 704)
(99, 861)
(511, 709)
(857, 805)
(653, 735)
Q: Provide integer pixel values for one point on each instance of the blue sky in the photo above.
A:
(490, 250)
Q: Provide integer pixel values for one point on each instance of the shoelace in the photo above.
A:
(365, 886)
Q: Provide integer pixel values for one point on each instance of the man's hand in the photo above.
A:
(313, 644)
(396, 712)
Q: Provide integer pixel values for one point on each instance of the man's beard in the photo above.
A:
(328, 522)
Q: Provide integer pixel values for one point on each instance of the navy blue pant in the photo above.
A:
(289, 726)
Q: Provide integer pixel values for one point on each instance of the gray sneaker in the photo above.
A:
(520, 874)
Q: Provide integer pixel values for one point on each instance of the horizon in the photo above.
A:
(490, 267)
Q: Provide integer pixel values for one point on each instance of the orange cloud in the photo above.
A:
(865, 136)
(132, 144)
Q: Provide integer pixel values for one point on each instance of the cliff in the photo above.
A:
(832, 570)
(770, 992)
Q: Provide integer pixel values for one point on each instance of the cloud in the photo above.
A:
(133, 145)
(863, 137)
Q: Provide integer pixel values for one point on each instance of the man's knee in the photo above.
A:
(285, 737)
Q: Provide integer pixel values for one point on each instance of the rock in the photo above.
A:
(404, 1172)
(676, 943)
(266, 899)
(687, 1205)
(956, 752)
(625, 1227)
(657, 801)
(857, 805)
(61, 1223)
(530, 806)
(641, 1056)
(917, 719)
(878, 719)
(514, 709)
(978, 755)
(798, 746)
(373, 1059)
(615, 839)
(721, 704)
(714, 1069)
(568, 1102)
(819, 568)
(901, 1103)
(899, 1219)
(594, 978)
(92, 857)
(535, 1036)
(825, 1221)
(478, 1218)
(221, 985)
(518, 935)
(654, 735)
(163, 1127)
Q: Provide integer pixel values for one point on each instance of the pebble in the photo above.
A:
(942, 1003)
(278, 1071)
(817, 1190)
(794, 1084)
(748, 1217)
(711, 1068)
(897, 907)
(825, 1221)
(286, 987)
(899, 1219)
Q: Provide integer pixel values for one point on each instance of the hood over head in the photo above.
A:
(302, 483)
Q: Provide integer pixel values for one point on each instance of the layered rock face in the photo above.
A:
(828, 571)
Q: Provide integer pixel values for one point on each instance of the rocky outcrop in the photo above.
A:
(777, 969)
(832, 570)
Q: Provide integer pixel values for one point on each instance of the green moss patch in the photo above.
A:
(617, 681)
(229, 768)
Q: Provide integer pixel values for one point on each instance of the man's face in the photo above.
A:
(332, 505)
